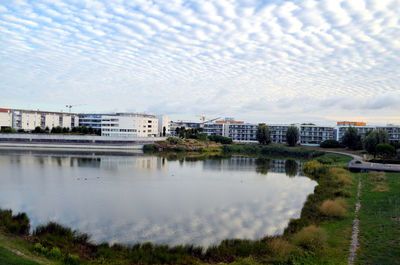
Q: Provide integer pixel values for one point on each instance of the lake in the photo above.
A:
(134, 197)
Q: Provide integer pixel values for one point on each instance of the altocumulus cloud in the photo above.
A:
(238, 58)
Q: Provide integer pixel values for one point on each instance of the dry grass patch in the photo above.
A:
(341, 176)
(334, 208)
(311, 238)
(280, 247)
(378, 179)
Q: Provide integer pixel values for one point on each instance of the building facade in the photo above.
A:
(28, 120)
(5, 118)
(314, 135)
(164, 122)
(363, 130)
(129, 125)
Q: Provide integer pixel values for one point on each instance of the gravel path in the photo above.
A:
(354, 236)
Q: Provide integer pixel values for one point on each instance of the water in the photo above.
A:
(136, 198)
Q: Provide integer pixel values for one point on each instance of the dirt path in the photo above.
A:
(354, 236)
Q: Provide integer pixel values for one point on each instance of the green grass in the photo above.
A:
(336, 158)
(379, 236)
(9, 258)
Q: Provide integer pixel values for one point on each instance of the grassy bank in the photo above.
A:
(178, 145)
(320, 235)
(380, 219)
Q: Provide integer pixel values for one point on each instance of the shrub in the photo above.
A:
(71, 260)
(312, 168)
(149, 148)
(330, 144)
(220, 139)
(17, 224)
(358, 162)
(280, 247)
(54, 253)
(174, 140)
(334, 208)
(340, 176)
(311, 238)
(40, 249)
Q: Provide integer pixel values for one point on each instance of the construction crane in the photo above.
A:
(70, 106)
(204, 119)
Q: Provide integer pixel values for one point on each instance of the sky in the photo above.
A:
(257, 61)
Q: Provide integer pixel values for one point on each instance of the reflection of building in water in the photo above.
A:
(139, 162)
(281, 166)
(241, 163)
(105, 162)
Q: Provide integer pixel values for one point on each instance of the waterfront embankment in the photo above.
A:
(74, 141)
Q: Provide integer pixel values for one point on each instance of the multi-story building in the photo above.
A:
(5, 118)
(129, 125)
(238, 131)
(363, 130)
(392, 130)
(342, 126)
(28, 120)
(91, 120)
(314, 135)
(164, 122)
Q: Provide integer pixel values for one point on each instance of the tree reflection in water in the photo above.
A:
(263, 165)
(291, 168)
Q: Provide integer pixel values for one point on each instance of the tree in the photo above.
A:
(38, 130)
(164, 130)
(351, 139)
(263, 134)
(292, 135)
(385, 150)
(374, 138)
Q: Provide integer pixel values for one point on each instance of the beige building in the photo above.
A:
(5, 118)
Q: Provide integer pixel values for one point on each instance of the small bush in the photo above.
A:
(312, 168)
(54, 253)
(220, 139)
(279, 247)
(340, 176)
(174, 140)
(149, 148)
(40, 249)
(16, 224)
(334, 208)
(311, 238)
(71, 260)
(358, 162)
(330, 144)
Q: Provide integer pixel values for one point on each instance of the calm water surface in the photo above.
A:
(137, 197)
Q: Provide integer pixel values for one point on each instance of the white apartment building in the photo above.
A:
(28, 120)
(129, 125)
(240, 131)
(314, 135)
(363, 129)
(164, 122)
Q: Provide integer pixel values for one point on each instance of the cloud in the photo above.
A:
(221, 54)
